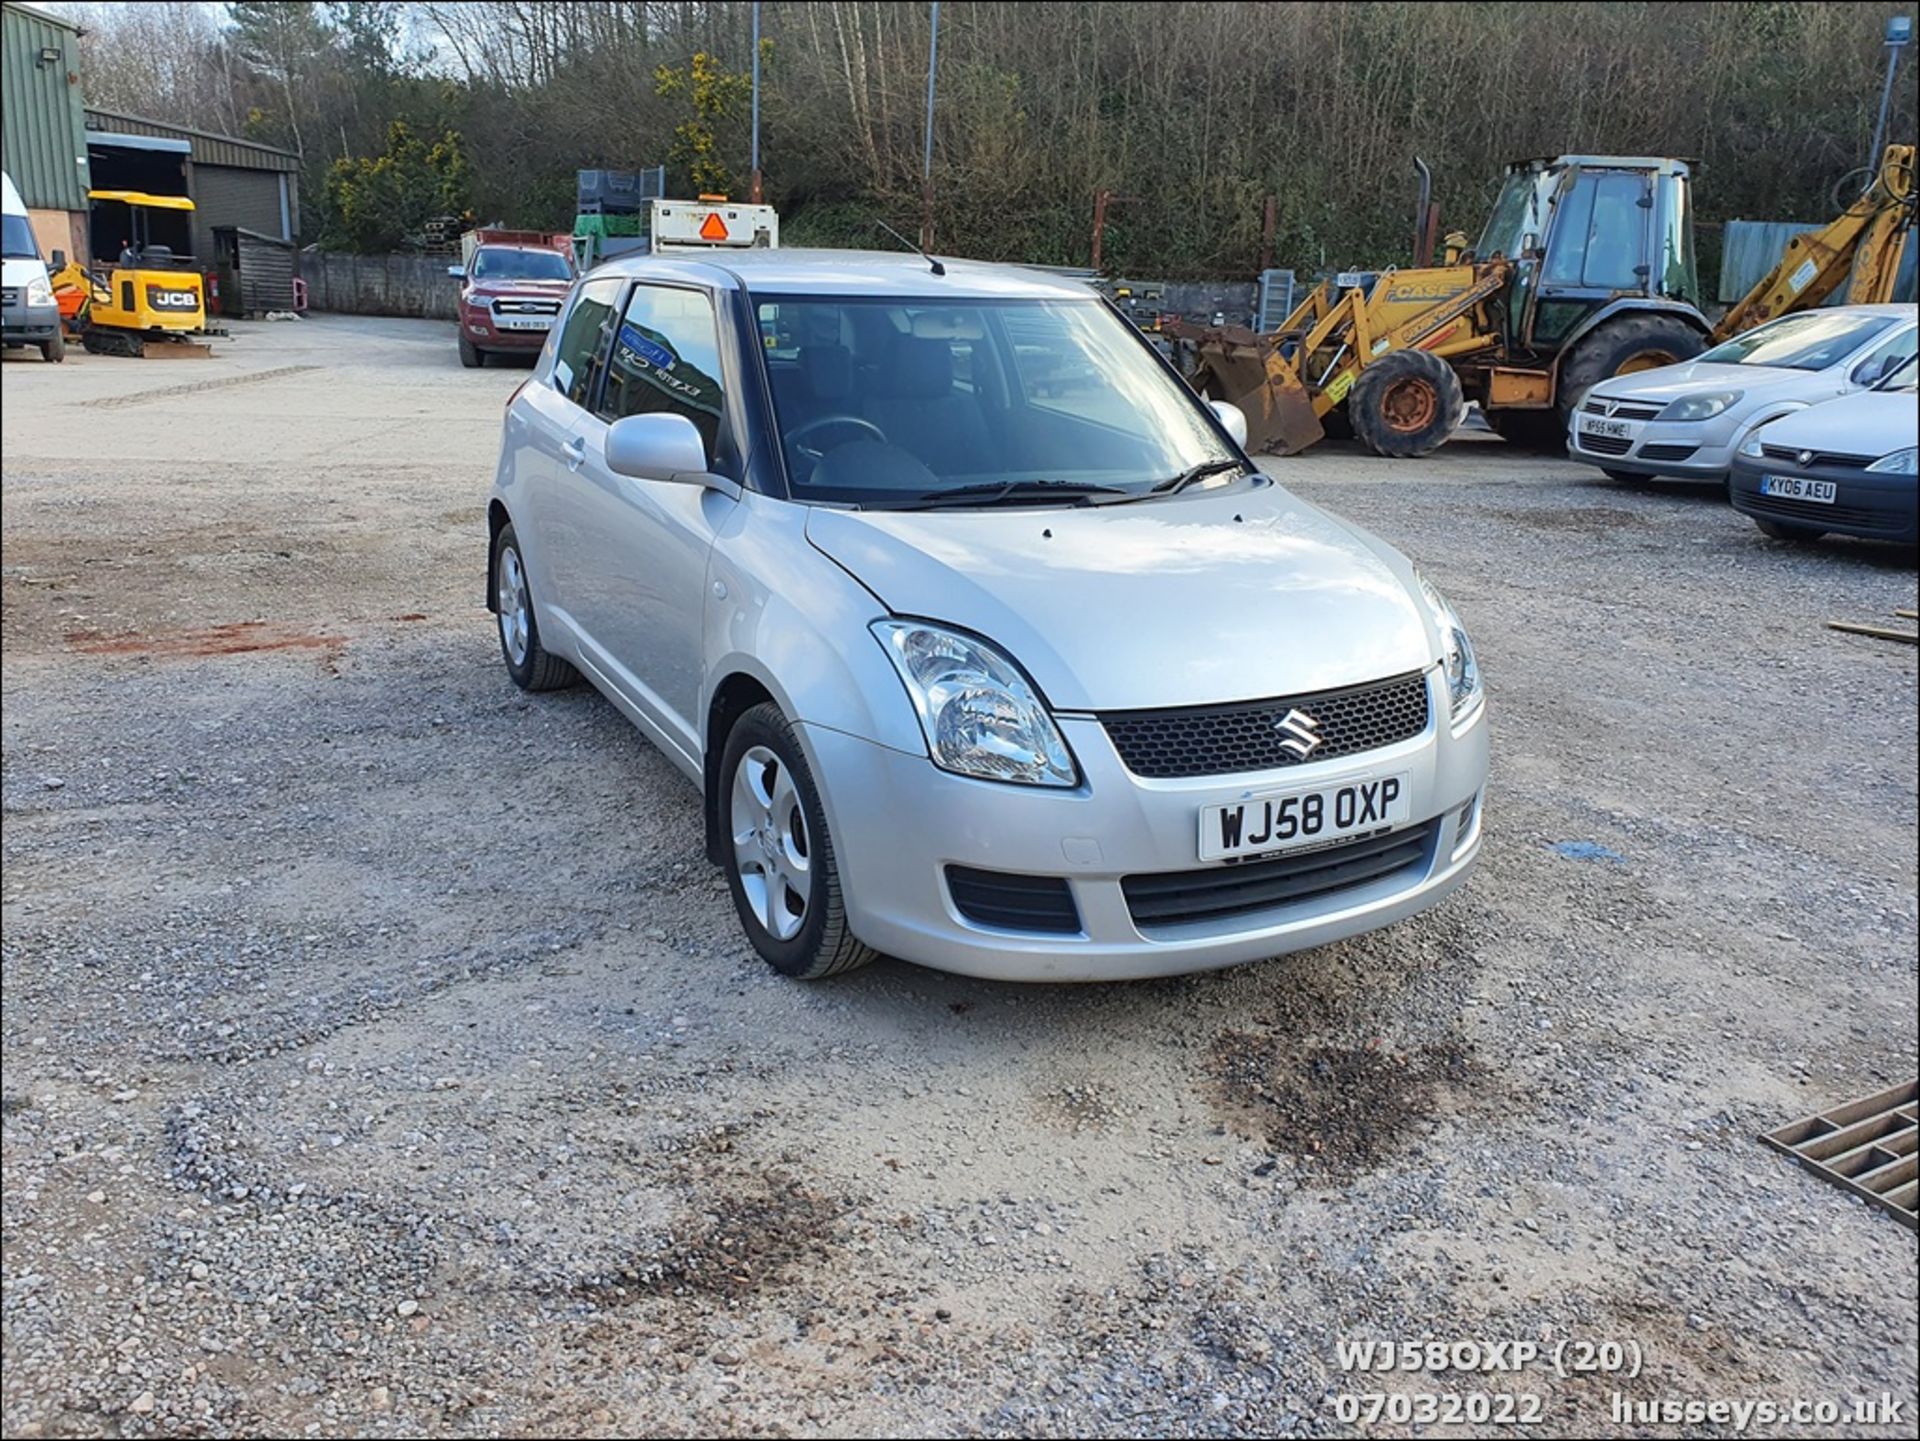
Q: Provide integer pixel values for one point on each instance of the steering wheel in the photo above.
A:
(821, 422)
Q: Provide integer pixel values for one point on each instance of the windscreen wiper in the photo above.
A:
(993, 492)
(1173, 485)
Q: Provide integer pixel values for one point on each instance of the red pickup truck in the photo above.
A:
(510, 293)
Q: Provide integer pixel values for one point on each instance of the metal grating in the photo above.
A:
(1867, 1146)
(1827, 458)
(1819, 515)
(1245, 736)
(1013, 902)
(1620, 409)
(1606, 444)
(1172, 898)
(1667, 452)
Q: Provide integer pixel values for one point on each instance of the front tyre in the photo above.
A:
(781, 869)
(54, 351)
(471, 355)
(528, 663)
(1406, 403)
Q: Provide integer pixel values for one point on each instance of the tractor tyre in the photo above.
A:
(1621, 346)
(1405, 404)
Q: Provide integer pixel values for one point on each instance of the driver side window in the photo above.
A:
(1879, 361)
(666, 357)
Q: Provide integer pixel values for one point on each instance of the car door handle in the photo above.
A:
(576, 453)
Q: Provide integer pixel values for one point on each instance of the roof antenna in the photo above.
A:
(937, 267)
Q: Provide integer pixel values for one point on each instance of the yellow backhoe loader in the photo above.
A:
(1585, 270)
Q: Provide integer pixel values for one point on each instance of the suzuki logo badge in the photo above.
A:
(1302, 733)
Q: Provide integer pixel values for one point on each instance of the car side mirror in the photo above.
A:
(57, 261)
(665, 447)
(456, 272)
(1233, 418)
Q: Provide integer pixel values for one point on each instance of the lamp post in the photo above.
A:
(926, 158)
(755, 196)
(1899, 36)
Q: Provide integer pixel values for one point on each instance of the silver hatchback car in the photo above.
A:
(987, 645)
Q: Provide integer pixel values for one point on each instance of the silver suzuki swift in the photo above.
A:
(986, 644)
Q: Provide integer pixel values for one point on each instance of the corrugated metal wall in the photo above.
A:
(43, 139)
(1753, 247)
(208, 148)
(1749, 249)
(245, 199)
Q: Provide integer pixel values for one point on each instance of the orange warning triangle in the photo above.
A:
(713, 227)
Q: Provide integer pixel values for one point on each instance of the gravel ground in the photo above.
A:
(382, 1056)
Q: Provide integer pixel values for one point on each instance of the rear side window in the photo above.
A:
(666, 357)
(588, 324)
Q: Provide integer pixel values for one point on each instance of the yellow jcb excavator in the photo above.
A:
(1585, 270)
(147, 294)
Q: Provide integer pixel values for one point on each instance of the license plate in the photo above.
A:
(1797, 487)
(1261, 825)
(525, 322)
(1614, 429)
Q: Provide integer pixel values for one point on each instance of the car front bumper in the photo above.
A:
(898, 822)
(1867, 504)
(1688, 449)
(484, 329)
(23, 324)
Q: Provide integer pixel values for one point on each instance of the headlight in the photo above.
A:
(1899, 463)
(39, 291)
(1751, 446)
(980, 716)
(1700, 407)
(1463, 672)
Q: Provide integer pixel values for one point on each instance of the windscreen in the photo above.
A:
(17, 239)
(521, 265)
(1812, 340)
(884, 400)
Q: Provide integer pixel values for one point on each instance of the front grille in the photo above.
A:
(1225, 739)
(1177, 898)
(1622, 409)
(9, 296)
(526, 307)
(1667, 452)
(1012, 902)
(1839, 462)
(1826, 517)
(1606, 444)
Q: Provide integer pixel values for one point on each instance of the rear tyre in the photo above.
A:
(54, 351)
(781, 869)
(1780, 530)
(1622, 346)
(471, 355)
(528, 662)
(1405, 404)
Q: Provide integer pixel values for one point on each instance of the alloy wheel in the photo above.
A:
(771, 848)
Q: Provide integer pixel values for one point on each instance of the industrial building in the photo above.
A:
(43, 135)
(233, 183)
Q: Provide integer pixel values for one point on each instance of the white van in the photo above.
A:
(29, 315)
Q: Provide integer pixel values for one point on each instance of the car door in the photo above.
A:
(640, 588)
(543, 428)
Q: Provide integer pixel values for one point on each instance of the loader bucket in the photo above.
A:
(1234, 364)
